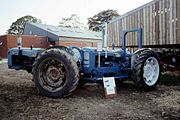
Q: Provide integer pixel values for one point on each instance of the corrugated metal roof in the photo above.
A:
(67, 32)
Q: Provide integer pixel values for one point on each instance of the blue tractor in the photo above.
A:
(58, 70)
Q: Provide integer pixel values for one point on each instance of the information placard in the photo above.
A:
(109, 86)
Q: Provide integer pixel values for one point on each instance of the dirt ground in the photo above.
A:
(19, 100)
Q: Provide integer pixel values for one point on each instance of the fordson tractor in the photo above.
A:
(58, 70)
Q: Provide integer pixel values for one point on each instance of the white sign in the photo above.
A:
(109, 85)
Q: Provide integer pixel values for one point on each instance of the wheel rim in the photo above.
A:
(52, 74)
(151, 71)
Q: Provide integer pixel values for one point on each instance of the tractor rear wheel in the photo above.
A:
(146, 69)
(55, 73)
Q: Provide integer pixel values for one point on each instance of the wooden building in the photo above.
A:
(159, 19)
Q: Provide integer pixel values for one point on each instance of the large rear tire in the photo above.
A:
(146, 69)
(55, 73)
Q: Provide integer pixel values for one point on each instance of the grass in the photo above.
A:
(170, 79)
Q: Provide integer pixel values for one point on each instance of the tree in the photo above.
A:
(101, 17)
(18, 26)
(72, 22)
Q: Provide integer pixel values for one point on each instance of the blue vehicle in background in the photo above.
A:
(58, 70)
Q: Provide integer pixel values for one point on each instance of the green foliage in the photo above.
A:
(103, 16)
(72, 22)
(170, 79)
(18, 26)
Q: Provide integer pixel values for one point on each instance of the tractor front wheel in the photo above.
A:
(146, 69)
(55, 73)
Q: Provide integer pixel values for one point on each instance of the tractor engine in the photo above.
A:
(98, 64)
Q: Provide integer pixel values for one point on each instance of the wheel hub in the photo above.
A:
(148, 71)
(151, 71)
(53, 75)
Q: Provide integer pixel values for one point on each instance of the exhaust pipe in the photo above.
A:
(19, 41)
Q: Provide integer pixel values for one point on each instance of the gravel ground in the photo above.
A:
(19, 100)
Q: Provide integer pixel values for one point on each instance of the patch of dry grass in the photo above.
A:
(169, 100)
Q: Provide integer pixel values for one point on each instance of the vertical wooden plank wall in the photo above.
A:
(174, 21)
(178, 21)
(159, 19)
(154, 24)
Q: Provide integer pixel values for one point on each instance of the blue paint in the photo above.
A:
(125, 32)
(22, 58)
(117, 63)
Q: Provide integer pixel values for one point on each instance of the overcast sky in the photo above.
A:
(51, 11)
